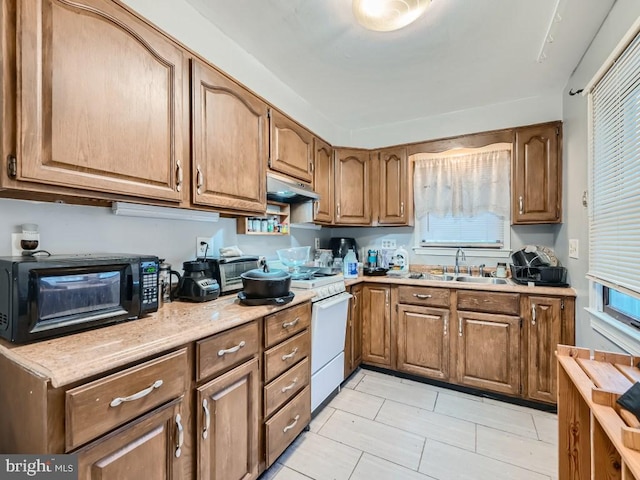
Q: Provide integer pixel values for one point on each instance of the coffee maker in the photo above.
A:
(340, 246)
(196, 284)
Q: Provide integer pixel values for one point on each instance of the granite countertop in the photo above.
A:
(71, 358)
(511, 287)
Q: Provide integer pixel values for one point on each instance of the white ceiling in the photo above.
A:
(461, 54)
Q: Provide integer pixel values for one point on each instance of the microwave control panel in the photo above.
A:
(149, 283)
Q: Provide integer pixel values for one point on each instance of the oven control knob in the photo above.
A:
(332, 289)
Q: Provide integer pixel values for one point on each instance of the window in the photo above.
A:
(614, 212)
(462, 197)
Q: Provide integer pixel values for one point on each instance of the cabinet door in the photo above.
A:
(488, 351)
(353, 338)
(537, 174)
(227, 425)
(323, 181)
(543, 319)
(394, 203)
(230, 143)
(423, 341)
(150, 447)
(291, 148)
(353, 206)
(102, 101)
(376, 325)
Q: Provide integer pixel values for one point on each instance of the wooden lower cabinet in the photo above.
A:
(423, 341)
(150, 447)
(353, 338)
(228, 424)
(376, 325)
(488, 351)
(543, 317)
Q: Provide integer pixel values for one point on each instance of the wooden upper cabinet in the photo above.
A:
(537, 175)
(323, 181)
(291, 148)
(394, 204)
(102, 101)
(230, 143)
(352, 196)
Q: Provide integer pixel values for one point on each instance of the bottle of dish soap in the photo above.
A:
(350, 265)
(401, 260)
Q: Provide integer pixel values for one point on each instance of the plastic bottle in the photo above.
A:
(350, 265)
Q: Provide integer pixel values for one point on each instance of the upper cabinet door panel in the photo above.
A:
(101, 100)
(537, 175)
(230, 141)
(353, 204)
(291, 148)
(394, 182)
(323, 181)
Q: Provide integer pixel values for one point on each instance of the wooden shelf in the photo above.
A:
(274, 209)
(597, 438)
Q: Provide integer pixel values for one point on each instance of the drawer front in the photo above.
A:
(98, 407)
(285, 425)
(280, 358)
(284, 324)
(432, 297)
(286, 386)
(489, 302)
(226, 349)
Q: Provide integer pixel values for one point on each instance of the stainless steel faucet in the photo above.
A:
(459, 256)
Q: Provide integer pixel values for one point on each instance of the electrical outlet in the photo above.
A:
(573, 248)
(204, 246)
(316, 243)
(389, 243)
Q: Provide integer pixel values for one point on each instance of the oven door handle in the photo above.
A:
(330, 302)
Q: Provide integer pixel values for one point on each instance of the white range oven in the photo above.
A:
(329, 312)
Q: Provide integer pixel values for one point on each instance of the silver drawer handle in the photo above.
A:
(222, 353)
(292, 323)
(290, 355)
(421, 296)
(207, 418)
(180, 435)
(136, 396)
(290, 386)
(291, 425)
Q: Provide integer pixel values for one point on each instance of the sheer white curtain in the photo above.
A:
(463, 182)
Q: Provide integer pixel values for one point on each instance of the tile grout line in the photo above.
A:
(356, 465)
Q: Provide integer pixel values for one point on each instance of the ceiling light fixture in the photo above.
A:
(388, 15)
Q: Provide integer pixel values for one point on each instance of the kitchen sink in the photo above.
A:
(490, 280)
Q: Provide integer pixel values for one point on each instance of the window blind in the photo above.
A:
(614, 214)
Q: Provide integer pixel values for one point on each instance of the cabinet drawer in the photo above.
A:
(280, 358)
(490, 302)
(226, 349)
(433, 297)
(97, 407)
(286, 386)
(284, 324)
(287, 424)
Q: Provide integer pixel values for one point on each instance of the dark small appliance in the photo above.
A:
(539, 266)
(340, 246)
(195, 284)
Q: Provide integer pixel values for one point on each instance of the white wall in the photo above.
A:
(84, 229)
(576, 153)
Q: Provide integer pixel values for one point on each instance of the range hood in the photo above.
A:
(287, 190)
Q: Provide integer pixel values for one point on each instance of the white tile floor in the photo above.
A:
(381, 427)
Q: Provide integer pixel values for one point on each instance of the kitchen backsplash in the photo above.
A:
(84, 229)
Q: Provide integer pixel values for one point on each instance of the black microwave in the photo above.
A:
(43, 297)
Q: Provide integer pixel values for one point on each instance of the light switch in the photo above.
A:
(573, 248)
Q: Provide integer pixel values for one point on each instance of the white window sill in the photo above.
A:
(469, 252)
(626, 337)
